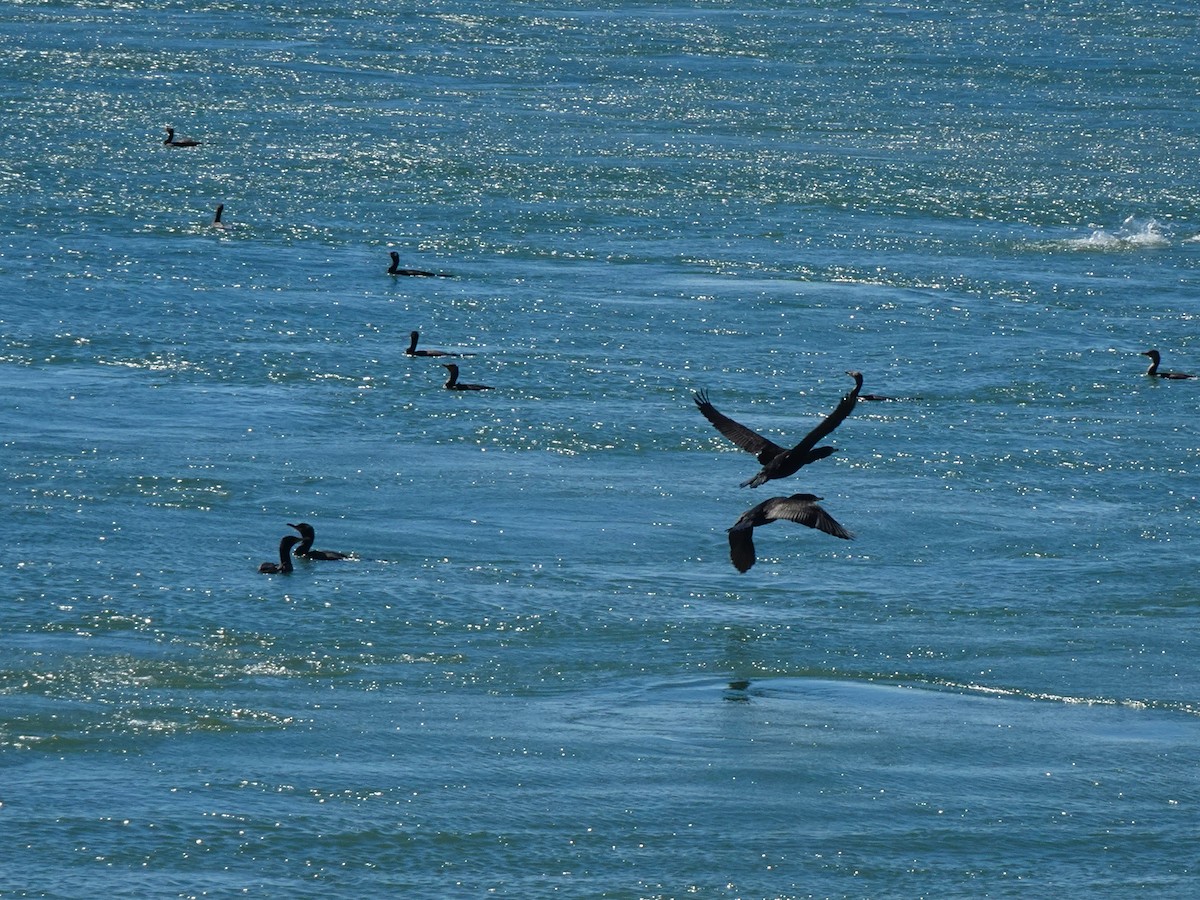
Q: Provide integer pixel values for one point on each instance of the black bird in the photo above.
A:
(800, 508)
(1155, 359)
(284, 566)
(305, 550)
(182, 142)
(453, 384)
(776, 461)
(750, 441)
(858, 380)
(394, 269)
(413, 351)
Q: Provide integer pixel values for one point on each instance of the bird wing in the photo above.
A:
(805, 512)
(833, 420)
(750, 441)
(741, 548)
(786, 463)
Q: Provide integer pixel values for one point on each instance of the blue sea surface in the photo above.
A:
(540, 675)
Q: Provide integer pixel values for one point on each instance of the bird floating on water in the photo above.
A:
(284, 566)
(858, 380)
(172, 141)
(394, 269)
(453, 384)
(412, 350)
(1155, 359)
(776, 461)
(305, 550)
(800, 508)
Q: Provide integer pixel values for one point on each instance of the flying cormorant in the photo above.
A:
(776, 461)
(800, 508)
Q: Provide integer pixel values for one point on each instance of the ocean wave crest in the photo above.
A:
(1133, 234)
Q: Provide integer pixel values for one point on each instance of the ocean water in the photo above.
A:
(540, 675)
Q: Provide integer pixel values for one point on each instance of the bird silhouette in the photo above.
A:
(858, 380)
(412, 350)
(1155, 359)
(394, 269)
(284, 566)
(453, 384)
(776, 461)
(305, 550)
(172, 141)
(800, 508)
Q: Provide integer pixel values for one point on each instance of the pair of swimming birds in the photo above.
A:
(452, 382)
(303, 547)
(779, 462)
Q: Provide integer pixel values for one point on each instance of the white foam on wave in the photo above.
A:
(1132, 234)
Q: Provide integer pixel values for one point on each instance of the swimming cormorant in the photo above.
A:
(776, 461)
(453, 384)
(800, 508)
(394, 269)
(284, 566)
(413, 351)
(858, 380)
(1155, 359)
(307, 534)
(182, 142)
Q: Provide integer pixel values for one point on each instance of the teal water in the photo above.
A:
(541, 675)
